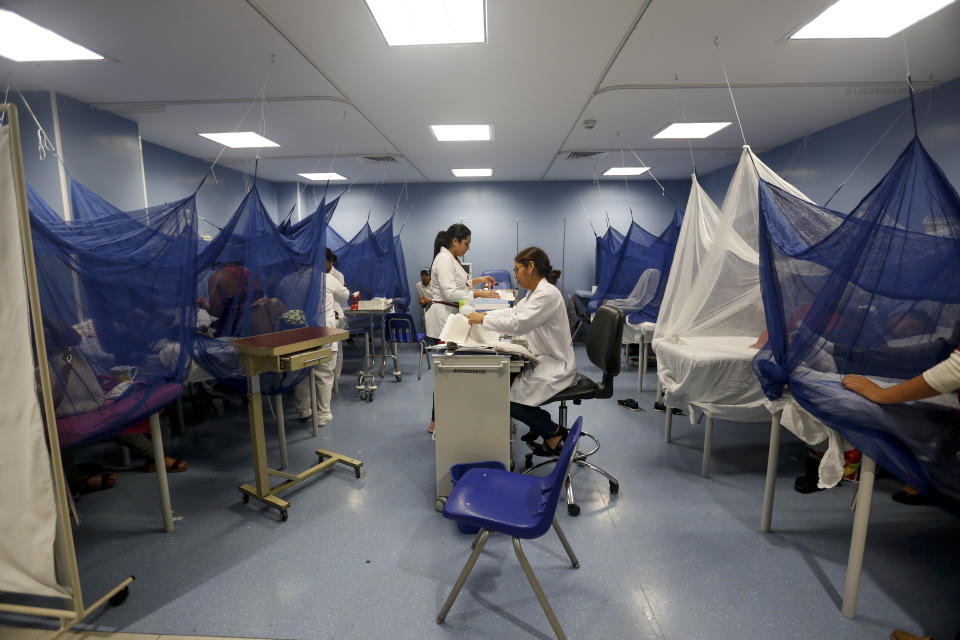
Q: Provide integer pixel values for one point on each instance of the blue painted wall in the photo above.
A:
(101, 150)
(492, 209)
(819, 162)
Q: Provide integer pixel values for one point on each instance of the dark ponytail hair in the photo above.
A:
(445, 239)
(541, 263)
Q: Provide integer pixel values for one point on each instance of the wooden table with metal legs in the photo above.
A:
(283, 352)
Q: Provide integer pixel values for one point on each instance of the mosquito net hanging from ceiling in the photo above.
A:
(401, 297)
(872, 293)
(116, 294)
(87, 205)
(252, 279)
(605, 251)
(695, 236)
(368, 262)
(704, 353)
(637, 274)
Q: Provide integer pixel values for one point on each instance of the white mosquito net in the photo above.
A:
(704, 336)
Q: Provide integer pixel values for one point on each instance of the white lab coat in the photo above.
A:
(541, 318)
(342, 322)
(448, 281)
(335, 297)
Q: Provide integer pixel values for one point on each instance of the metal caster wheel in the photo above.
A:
(614, 487)
(283, 515)
(245, 498)
(363, 395)
(573, 509)
(370, 397)
(120, 597)
(398, 377)
(439, 503)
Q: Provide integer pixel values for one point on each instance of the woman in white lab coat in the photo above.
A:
(448, 279)
(449, 283)
(541, 318)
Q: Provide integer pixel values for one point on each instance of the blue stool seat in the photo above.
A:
(402, 330)
(523, 507)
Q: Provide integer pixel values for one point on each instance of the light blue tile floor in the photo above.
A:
(672, 556)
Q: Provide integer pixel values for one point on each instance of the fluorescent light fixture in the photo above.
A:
(625, 171)
(414, 22)
(322, 177)
(868, 18)
(691, 129)
(240, 140)
(461, 132)
(472, 173)
(25, 41)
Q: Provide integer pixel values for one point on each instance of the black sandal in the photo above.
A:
(543, 451)
(530, 436)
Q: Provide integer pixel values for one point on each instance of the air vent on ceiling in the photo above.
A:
(583, 155)
(380, 158)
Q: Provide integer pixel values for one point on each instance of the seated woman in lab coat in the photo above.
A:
(541, 317)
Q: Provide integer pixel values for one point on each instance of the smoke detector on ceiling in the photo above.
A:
(589, 124)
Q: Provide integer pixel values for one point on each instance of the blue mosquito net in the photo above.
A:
(605, 254)
(253, 279)
(872, 293)
(87, 205)
(117, 290)
(368, 262)
(633, 275)
(401, 296)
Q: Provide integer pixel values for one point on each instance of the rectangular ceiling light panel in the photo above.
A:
(25, 41)
(472, 173)
(413, 22)
(322, 177)
(691, 130)
(240, 140)
(461, 132)
(625, 171)
(868, 18)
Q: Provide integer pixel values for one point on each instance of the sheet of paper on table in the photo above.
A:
(457, 329)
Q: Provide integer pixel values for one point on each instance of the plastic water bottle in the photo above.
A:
(467, 309)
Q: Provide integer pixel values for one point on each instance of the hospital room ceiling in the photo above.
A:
(336, 96)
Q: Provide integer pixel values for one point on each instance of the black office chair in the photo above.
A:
(603, 349)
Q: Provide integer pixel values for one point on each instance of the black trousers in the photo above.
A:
(536, 418)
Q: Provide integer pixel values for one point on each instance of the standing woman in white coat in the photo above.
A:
(449, 283)
(541, 317)
(448, 279)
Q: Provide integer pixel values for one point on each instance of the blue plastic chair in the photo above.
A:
(402, 330)
(520, 506)
(502, 276)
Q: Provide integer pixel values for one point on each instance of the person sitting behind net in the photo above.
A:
(231, 289)
(422, 288)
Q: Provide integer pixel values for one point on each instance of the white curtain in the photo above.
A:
(27, 509)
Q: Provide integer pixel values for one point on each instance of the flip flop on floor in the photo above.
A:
(174, 465)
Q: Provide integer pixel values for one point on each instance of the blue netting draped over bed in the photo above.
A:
(118, 289)
(634, 275)
(368, 262)
(872, 293)
(256, 280)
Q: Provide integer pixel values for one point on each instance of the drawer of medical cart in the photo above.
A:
(297, 361)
